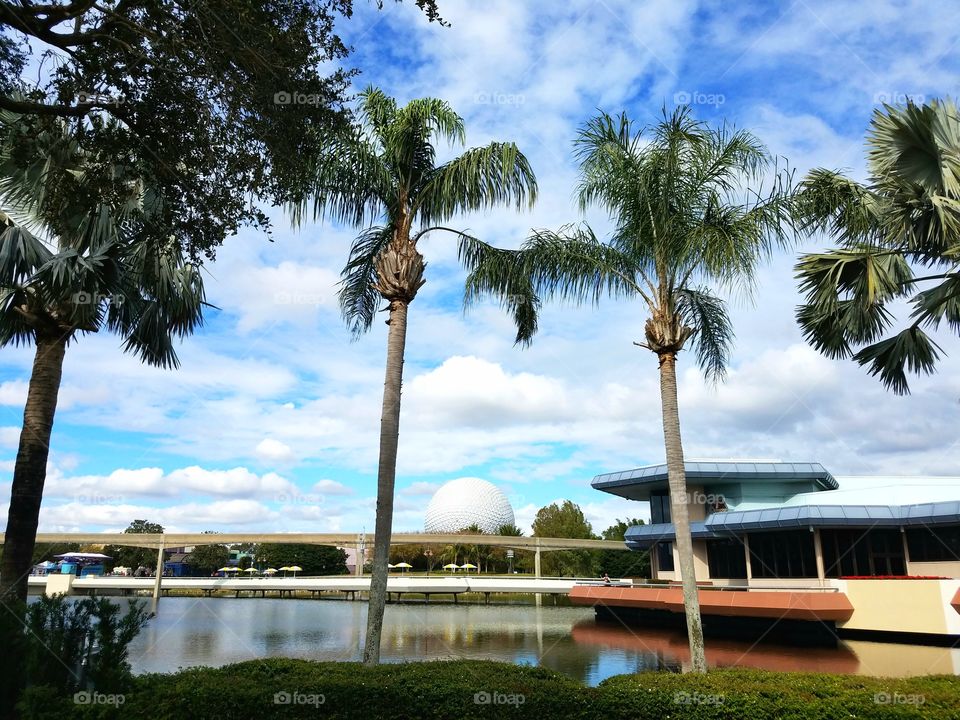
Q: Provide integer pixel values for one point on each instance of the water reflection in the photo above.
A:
(211, 631)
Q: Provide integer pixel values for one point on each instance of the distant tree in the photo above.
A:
(565, 521)
(135, 557)
(49, 551)
(314, 559)
(623, 563)
(205, 559)
(508, 529)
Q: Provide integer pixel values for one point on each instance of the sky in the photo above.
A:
(272, 422)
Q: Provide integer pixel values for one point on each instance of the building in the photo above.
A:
(768, 526)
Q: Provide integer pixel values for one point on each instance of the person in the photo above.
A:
(606, 579)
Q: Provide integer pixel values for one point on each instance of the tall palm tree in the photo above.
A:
(76, 263)
(906, 215)
(384, 178)
(689, 210)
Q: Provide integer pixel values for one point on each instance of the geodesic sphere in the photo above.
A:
(468, 501)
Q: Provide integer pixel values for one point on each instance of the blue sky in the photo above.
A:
(272, 422)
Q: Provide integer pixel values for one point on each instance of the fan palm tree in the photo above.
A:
(906, 215)
(75, 263)
(688, 213)
(385, 179)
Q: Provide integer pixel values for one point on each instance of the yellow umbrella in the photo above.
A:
(468, 566)
(451, 566)
(403, 565)
(225, 569)
(295, 569)
(270, 571)
(250, 570)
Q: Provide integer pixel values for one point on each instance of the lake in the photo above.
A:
(218, 631)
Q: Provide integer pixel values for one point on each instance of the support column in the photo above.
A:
(538, 598)
(818, 553)
(746, 552)
(156, 582)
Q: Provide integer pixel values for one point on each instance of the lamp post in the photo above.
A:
(429, 555)
(510, 560)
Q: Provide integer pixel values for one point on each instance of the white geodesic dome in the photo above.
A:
(468, 501)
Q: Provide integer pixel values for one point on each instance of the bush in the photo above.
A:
(739, 693)
(281, 688)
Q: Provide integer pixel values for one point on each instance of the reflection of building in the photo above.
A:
(791, 525)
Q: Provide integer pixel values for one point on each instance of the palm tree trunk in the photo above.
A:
(678, 508)
(30, 470)
(386, 477)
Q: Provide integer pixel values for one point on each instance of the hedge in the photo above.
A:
(284, 688)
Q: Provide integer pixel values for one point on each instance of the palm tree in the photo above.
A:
(906, 215)
(688, 212)
(93, 272)
(384, 178)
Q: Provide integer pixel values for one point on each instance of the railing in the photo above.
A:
(701, 586)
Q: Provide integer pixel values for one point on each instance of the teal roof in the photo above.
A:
(636, 484)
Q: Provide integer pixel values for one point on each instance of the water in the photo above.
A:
(218, 631)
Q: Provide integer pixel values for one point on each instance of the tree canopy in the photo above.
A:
(215, 104)
(314, 559)
(565, 520)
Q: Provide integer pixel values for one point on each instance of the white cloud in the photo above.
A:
(271, 449)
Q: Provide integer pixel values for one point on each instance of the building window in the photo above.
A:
(726, 558)
(659, 508)
(665, 557)
(934, 544)
(862, 552)
(782, 555)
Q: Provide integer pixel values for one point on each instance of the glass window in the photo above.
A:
(660, 507)
(862, 552)
(788, 554)
(665, 557)
(933, 544)
(726, 558)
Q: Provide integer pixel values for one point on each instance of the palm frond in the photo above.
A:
(891, 358)
(358, 297)
(480, 178)
(712, 330)
(501, 274)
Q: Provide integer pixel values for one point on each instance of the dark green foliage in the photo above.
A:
(206, 558)
(134, 557)
(192, 89)
(623, 563)
(314, 559)
(565, 521)
(72, 645)
(445, 690)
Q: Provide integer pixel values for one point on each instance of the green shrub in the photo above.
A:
(281, 688)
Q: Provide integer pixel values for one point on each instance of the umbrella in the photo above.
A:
(87, 556)
(468, 566)
(295, 569)
(250, 570)
(230, 569)
(391, 565)
(451, 566)
(403, 565)
(270, 571)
